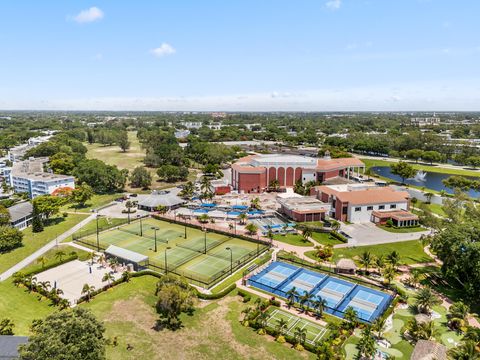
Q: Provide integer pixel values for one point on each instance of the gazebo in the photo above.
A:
(346, 266)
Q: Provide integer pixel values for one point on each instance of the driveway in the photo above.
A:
(369, 234)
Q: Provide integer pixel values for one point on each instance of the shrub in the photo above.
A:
(218, 295)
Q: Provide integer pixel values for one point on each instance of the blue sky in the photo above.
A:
(240, 55)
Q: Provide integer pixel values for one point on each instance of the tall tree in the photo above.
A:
(403, 169)
(66, 335)
(140, 177)
(122, 141)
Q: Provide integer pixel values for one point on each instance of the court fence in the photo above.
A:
(87, 232)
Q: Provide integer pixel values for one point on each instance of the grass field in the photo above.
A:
(325, 239)
(129, 160)
(292, 239)
(183, 256)
(34, 241)
(95, 202)
(212, 332)
(411, 252)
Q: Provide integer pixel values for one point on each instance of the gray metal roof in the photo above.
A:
(155, 200)
(20, 210)
(9, 346)
(126, 254)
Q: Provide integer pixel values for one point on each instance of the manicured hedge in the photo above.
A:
(52, 265)
(218, 295)
(339, 236)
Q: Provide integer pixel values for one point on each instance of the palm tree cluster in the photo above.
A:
(306, 301)
(44, 288)
(469, 349)
(457, 317)
(418, 330)
(425, 300)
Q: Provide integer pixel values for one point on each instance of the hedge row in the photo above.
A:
(339, 236)
(218, 295)
(51, 265)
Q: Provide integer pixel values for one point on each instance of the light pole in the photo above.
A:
(98, 241)
(141, 227)
(154, 228)
(205, 232)
(231, 259)
(166, 265)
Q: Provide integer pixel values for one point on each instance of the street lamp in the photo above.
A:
(231, 260)
(166, 265)
(154, 228)
(141, 226)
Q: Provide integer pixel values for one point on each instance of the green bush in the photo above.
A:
(218, 295)
(338, 236)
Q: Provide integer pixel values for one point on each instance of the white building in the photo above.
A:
(28, 177)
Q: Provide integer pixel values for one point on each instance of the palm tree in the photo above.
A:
(468, 350)
(91, 257)
(427, 330)
(366, 260)
(42, 260)
(246, 312)
(203, 218)
(394, 259)
(458, 315)
(108, 277)
(425, 299)
(255, 203)
(351, 316)
(319, 304)
(380, 261)
(113, 262)
(55, 295)
(304, 301)
(88, 290)
(205, 187)
(366, 346)
(243, 218)
(274, 185)
(126, 276)
(63, 304)
(415, 277)
(59, 255)
(251, 228)
(300, 335)
(306, 233)
(379, 325)
(281, 326)
(188, 190)
(388, 274)
(292, 295)
(335, 225)
(30, 282)
(44, 285)
(270, 235)
(262, 320)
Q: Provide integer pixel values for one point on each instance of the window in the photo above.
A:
(345, 211)
(369, 208)
(357, 209)
(381, 207)
(393, 206)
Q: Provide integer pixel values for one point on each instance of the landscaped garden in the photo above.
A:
(293, 239)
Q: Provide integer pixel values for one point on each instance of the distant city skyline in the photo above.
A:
(269, 55)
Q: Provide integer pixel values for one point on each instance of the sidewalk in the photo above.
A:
(29, 259)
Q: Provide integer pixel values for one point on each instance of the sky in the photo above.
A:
(240, 55)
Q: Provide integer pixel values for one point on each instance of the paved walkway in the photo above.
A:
(29, 259)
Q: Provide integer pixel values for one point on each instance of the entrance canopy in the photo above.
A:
(125, 254)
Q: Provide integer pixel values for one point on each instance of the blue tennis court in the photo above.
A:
(279, 278)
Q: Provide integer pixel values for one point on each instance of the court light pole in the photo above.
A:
(154, 228)
(231, 259)
(141, 227)
(166, 264)
(205, 239)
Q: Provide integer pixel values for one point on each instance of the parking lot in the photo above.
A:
(370, 234)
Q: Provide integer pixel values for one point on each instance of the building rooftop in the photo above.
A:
(20, 210)
(9, 346)
(429, 350)
(399, 214)
(304, 204)
(364, 194)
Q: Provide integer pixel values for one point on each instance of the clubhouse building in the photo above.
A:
(255, 173)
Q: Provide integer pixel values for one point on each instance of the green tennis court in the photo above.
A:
(184, 256)
(314, 331)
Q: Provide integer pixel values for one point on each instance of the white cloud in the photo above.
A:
(89, 15)
(163, 50)
(333, 4)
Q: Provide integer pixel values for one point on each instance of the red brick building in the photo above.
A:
(255, 173)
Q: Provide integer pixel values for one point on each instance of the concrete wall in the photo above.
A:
(364, 215)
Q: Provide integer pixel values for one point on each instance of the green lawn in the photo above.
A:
(34, 241)
(411, 252)
(434, 208)
(51, 257)
(212, 332)
(402, 230)
(103, 223)
(293, 239)
(21, 307)
(370, 163)
(95, 202)
(325, 239)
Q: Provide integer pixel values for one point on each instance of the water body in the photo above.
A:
(430, 180)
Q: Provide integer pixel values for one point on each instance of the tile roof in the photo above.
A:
(367, 195)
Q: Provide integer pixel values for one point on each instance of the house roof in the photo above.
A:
(346, 264)
(9, 346)
(20, 210)
(364, 195)
(304, 204)
(429, 350)
(401, 215)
